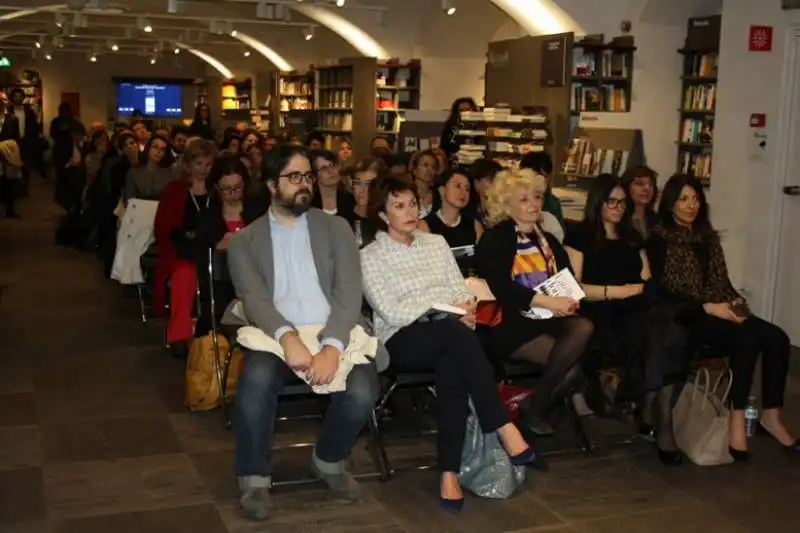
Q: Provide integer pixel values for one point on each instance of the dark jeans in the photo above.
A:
(463, 371)
(262, 379)
(743, 343)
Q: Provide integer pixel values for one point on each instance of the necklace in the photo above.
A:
(194, 200)
(446, 223)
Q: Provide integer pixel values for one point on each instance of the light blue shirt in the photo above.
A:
(298, 295)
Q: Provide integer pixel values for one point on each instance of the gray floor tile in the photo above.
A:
(108, 487)
(21, 496)
(195, 519)
(20, 447)
(695, 518)
(108, 439)
(92, 404)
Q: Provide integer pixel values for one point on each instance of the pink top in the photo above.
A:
(234, 225)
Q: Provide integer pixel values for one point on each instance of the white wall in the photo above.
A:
(743, 190)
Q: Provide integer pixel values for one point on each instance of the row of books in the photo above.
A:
(584, 159)
(603, 98)
(694, 164)
(697, 131)
(700, 97)
(611, 64)
(703, 66)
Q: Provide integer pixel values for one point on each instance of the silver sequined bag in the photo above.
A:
(486, 469)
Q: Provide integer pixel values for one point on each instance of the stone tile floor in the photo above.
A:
(94, 438)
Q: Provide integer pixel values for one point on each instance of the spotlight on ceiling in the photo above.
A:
(308, 33)
(177, 50)
(93, 58)
(173, 6)
(59, 19)
(37, 44)
(144, 25)
(340, 3)
(246, 53)
(152, 60)
(114, 47)
(234, 33)
(448, 7)
(48, 56)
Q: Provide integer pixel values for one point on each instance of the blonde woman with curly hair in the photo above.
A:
(514, 256)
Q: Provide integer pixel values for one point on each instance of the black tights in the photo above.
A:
(558, 349)
(658, 412)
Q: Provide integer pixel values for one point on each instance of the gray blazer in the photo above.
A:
(338, 269)
(146, 184)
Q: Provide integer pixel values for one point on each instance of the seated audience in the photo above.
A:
(344, 150)
(231, 141)
(255, 155)
(232, 208)
(639, 332)
(514, 256)
(97, 149)
(380, 146)
(406, 273)
(424, 169)
(450, 220)
(398, 165)
(297, 266)
(147, 181)
(362, 173)
(175, 227)
(481, 173)
(541, 163)
(641, 186)
(688, 261)
(329, 193)
(315, 141)
(250, 138)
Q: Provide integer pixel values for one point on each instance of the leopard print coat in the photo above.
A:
(695, 267)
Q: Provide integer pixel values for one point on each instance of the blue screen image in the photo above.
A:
(153, 100)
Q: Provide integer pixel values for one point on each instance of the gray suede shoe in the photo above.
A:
(254, 497)
(342, 485)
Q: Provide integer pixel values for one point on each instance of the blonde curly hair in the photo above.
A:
(503, 187)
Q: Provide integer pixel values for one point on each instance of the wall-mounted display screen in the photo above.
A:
(154, 100)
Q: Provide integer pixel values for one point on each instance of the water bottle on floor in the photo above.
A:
(750, 417)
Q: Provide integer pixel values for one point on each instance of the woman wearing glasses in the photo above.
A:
(632, 327)
(329, 192)
(230, 210)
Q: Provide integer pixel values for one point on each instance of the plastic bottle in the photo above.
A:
(750, 417)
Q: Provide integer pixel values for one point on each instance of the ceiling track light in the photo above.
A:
(59, 19)
(80, 20)
(448, 7)
(177, 50)
(246, 52)
(144, 24)
(308, 33)
(340, 3)
(174, 6)
(48, 56)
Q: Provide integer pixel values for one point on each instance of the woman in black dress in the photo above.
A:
(361, 174)
(637, 331)
(451, 221)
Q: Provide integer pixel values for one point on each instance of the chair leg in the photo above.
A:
(377, 447)
(577, 425)
(140, 296)
(226, 365)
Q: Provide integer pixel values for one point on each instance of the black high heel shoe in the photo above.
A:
(739, 456)
(792, 449)
(670, 458)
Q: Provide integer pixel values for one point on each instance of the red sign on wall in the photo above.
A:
(758, 120)
(760, 39)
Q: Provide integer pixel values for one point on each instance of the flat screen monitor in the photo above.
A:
(154, 100)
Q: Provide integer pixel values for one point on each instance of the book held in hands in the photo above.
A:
(561, 284)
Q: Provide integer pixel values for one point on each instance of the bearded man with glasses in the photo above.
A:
(295, 267)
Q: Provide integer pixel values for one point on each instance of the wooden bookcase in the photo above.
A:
(397, 88)
(602, 75)
(698, 98)
(594, 151)
(236, 98)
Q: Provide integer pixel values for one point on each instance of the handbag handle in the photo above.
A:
(702, 378)
(727, 372)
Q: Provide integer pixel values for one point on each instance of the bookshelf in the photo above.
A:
(30, 82)
(595, 151)
(602, 75)
(397, 88)
(501, 134)
(236, 98)
(292, 102)
(698, 98)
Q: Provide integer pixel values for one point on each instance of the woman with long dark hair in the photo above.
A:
(641, 187)
(149, 179)
(636, 331)
(448, 140)
(688, 262)
(201, 125)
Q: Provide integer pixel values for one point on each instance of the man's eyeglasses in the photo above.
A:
(611, 203)
(231, 190)
(296, 177)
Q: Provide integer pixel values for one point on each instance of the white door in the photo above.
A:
(786, 309)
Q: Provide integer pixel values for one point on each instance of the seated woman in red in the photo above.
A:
(181, 202)
(234, 205)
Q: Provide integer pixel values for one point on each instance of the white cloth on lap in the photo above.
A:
(360, 350)
(135, 235)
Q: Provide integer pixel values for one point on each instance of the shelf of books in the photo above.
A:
(595, 151)
(500, 134)
(698, 102)
(602, 75)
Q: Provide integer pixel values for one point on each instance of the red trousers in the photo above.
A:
(183, 290)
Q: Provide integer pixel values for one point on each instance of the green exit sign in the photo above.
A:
(5, 62)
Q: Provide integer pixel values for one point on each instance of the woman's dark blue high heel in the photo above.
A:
(451, 506)
(530, 458)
